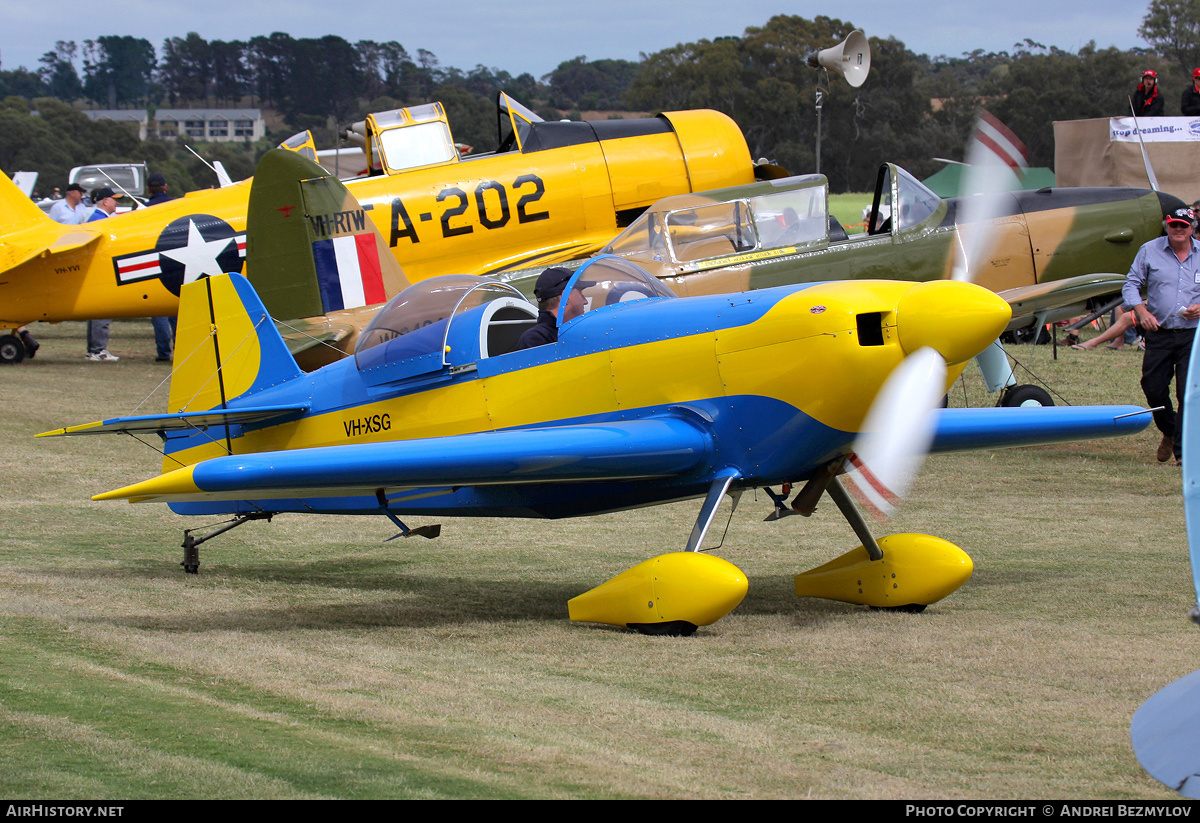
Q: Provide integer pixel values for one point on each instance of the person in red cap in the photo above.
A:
(1147, 102)
(1191, 95)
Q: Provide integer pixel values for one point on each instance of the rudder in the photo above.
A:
(311, 249)
(226, 345)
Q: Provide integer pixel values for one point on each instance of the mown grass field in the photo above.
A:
(309, 659)
(848, 208)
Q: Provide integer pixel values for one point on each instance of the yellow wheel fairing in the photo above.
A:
(682, 586)
(916, 569)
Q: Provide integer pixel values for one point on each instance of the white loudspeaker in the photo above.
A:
(851, 58)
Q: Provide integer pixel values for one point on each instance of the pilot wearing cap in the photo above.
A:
(548, 291)
(1167, 269)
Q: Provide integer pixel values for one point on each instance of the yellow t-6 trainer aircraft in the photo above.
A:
(645, 398)
(550, 192)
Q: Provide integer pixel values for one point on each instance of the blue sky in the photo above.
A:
(465, 33)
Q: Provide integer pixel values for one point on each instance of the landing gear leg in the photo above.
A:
(709, 510)
(855, 518)
(998, 377)
(191, 551)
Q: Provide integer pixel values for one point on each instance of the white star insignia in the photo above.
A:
(199, 256)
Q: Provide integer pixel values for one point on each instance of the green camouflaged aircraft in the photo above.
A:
(1053, 249)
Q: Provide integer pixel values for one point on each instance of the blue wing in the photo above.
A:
(964, 429)
(627, 450)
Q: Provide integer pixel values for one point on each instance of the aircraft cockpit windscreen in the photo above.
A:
(419, 144)
(607, 280)
(513, 123)
(413, 324)
(689, 227)
(916, 201)
(644, 238)
(709, 231)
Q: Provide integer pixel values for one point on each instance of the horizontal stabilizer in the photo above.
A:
(13, 255)
(160, 423)
(998, 428)
(597, 451)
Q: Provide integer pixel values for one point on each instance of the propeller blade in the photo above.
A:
(1151, 177)
(994, 156)
(897, 433)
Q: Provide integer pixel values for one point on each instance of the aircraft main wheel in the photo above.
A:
(1026, 395)
(12, 349)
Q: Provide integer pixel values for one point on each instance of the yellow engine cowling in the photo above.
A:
(713, 147)
(704, 150)
(665, 595)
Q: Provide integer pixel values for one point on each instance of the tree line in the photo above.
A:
(911, 109)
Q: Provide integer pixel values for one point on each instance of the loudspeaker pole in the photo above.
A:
(851, 59)
(820, 105)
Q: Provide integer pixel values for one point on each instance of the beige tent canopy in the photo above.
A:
(1105, 152)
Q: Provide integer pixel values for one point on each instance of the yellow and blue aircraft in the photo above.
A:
(645, 398)
(550, 192)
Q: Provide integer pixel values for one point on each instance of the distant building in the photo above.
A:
(135, 116)
(207, 125)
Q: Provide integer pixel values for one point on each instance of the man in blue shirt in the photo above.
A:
(1167, 269)
(98, 330)
(70, 209)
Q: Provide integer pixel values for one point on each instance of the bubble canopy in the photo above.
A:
(415, 324)
(608, 279)
(458, 319)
